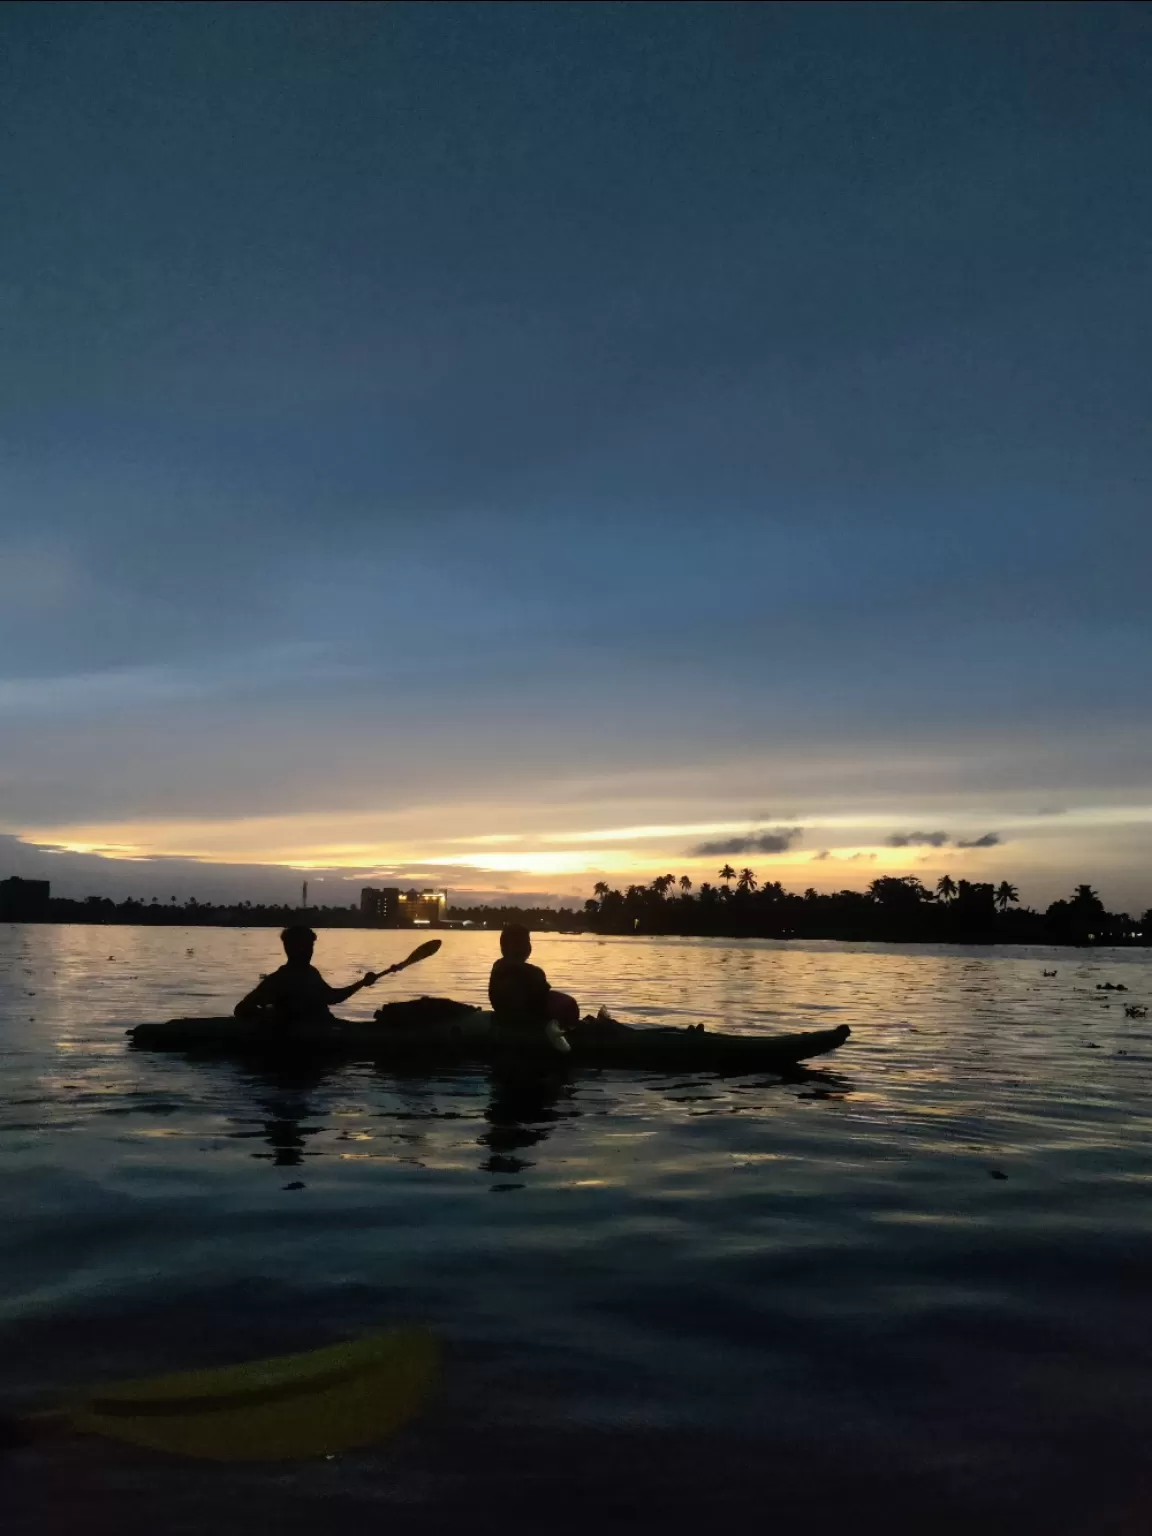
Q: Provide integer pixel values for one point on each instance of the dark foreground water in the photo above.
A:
(912, 1292)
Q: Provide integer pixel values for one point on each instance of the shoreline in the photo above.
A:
(970, 941)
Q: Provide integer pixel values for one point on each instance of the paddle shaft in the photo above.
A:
(422, 952)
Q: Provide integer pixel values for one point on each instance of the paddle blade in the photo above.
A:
(313, 1404)
(421, 952)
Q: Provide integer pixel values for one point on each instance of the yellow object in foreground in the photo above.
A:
(311, 1404)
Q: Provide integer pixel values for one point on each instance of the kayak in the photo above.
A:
(436, 1029)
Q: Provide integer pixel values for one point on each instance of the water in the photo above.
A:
(663, 1299)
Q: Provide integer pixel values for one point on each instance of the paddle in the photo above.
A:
(421, 952)
(310, 1404)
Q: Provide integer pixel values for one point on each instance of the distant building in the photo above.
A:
(423, 906)
(393, 908)
(382, 907)
(23, 900)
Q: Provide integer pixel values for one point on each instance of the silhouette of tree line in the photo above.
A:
(894, 909)
(247, 914)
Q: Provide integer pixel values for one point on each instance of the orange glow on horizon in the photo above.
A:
(442, 844)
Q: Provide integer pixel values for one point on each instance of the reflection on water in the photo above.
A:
(287, 1106)
(521, 1111)
(938, 1242)
(522, 1106)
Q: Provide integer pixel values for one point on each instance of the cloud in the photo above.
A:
(755, 842)
(940, 840)
(78, 875)
(147, 685)
(825, 853)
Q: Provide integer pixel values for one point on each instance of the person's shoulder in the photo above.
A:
(273, 980)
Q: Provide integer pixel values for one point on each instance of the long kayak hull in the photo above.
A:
(436, 1030)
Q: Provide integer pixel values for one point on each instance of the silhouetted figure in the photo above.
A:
(519, 993)
(296, 993)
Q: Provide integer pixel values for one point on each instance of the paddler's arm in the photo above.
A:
(253, 1006)
(539, 987)
(340, 994)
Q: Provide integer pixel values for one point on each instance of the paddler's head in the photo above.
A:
(298, 943)
(515, 942)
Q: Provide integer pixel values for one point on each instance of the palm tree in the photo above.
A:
(685, 884)
(946, 888)
(726, 874)
(1005, 895)
(902, 891)
(811, 894)
(1086, 902)
(747, 881)
(600, 889)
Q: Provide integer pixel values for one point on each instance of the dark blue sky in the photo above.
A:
(432, 423)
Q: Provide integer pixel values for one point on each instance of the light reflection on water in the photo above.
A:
(741, 1261)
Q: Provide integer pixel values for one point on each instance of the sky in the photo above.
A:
(507, 447)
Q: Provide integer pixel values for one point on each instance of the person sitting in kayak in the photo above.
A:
(296, 993)
(519, 993)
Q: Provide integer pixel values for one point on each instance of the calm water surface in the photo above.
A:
(911, 1290)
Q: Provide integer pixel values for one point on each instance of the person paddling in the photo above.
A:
(296, 993)
(521, 999)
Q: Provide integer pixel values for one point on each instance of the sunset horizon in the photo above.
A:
(1045, 851)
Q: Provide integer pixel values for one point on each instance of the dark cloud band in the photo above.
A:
(755, 842)
(940, 840)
